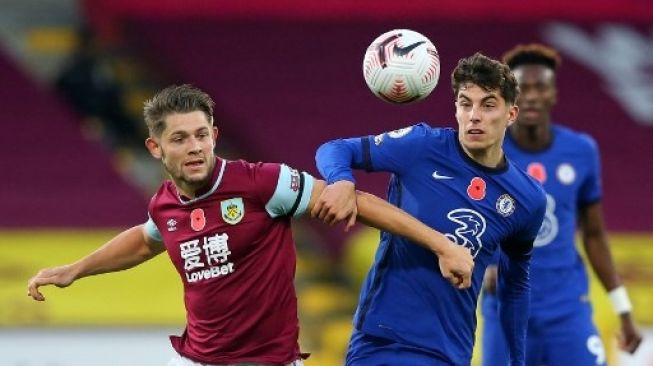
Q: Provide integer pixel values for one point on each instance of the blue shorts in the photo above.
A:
(368, 350)
(569, 339)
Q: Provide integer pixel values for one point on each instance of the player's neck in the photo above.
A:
(191, 190)
(533, 138)
(185, 190)
(491, 157)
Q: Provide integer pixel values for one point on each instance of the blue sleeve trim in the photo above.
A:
(152, 231)
(305, 196)
(292, 194)
(293, 209)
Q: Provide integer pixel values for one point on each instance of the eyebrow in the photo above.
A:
(182, 132)
(484, 99)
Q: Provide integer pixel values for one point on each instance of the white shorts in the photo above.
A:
(179, 360)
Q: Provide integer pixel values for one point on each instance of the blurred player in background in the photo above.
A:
(226, 227)
(460, 183)
(560, 331)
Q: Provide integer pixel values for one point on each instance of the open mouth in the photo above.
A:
(194, 163)
(475, 131)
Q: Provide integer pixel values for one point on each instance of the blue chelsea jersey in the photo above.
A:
(405, 297)
(569, 170)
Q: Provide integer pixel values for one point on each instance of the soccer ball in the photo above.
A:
(401, 66)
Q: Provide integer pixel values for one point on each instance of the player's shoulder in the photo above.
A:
(442, 132)
(249, 169)
(426, 130)
(579, 140)
(253, 176)
(165, 194)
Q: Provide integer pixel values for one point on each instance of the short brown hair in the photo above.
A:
(488, 74)
(175, 99)
(532, 54)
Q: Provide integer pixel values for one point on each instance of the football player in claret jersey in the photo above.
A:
(226, 228)
(460, 183)
(566, 162)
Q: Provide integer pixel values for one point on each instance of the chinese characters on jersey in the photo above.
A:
(214, 263)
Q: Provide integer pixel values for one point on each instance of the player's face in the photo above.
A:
(186, 149)
(538, 94)
(483, 117)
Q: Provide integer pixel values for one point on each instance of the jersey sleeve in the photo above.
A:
(513, 285)
(590, 190)
(513, 293)
(291, 194)
(392, 151)
(151, 230)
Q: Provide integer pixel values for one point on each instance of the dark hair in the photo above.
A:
(488, 74)
(175, 99)
(532, 54)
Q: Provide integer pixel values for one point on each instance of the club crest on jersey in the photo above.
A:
(505, 205)
(400, 132)
(233, 210)
(566, 173)
(197, 219)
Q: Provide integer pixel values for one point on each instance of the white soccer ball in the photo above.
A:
(401, 66)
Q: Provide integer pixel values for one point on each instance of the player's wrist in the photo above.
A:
(440, 245)
(338, 179)
(620, 300)
(75, 270)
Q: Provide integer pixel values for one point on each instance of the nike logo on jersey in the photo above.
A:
(403, 51)
(437, 175)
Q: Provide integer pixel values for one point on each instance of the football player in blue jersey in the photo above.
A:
(560, 330)
(460, 183)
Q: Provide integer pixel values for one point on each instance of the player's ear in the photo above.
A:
(216, 132)
(153, 147)
(513, 112)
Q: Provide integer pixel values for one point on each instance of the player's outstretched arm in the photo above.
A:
(126, 250)
(595, 241)
(456, 262)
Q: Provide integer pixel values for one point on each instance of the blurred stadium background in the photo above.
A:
(286, 76)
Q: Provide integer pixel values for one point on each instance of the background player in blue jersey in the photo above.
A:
(561, 331)
(459, 182)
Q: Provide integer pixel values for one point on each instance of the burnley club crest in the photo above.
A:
(233, 210)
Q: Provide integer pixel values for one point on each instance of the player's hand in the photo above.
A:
(629, 339)
(337, 203)
(490, 279)
(59, 276)
(457, 265)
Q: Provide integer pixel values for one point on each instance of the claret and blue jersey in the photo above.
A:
(405, 298)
